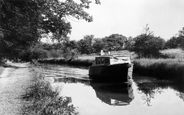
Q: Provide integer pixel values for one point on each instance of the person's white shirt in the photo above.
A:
(102, 53)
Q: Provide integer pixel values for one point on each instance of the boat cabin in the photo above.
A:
(111, 60)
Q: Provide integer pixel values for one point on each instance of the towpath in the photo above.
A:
(13, 83)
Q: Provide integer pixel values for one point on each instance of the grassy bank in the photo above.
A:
(173, 53)
(170, 69)
(83, 60)
(44, 101)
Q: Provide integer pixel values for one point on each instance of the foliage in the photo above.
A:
(66, 50)
(98, 45)
(176, 41)
(70, 50)
(172, 43)
(169, 69)
(129, 44)
(70, 54)
(44, 100)
(114, 42)
(24, 21)
(89, 44)
(85, 44)
(147, 45)
(19, 27)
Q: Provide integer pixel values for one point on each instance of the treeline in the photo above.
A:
(148, 45)
(144, 45)
(70, 49)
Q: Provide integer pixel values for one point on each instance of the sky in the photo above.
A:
(128, 17)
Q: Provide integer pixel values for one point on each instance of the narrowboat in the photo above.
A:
(111, 68)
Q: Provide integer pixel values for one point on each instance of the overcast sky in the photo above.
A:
(128, 17)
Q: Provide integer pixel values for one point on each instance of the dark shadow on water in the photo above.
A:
(116, 94)
(85, 81)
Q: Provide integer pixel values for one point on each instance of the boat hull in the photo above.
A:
(118, 72)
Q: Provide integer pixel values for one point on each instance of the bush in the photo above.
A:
(44, 101)
(148, 45)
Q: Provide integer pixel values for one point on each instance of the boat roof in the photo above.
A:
(114, 56)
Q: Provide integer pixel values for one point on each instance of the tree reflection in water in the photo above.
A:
(149, 90)
(149, 87)
(180, 88)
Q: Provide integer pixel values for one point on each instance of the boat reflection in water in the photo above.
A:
(116, 94)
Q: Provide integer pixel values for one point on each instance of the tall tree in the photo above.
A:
(98, 45)
(85, 44)
(114, 42)
(23, 21)
(147, 45)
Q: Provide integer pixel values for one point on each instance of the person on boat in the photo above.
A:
(109, 52)
(102, 53)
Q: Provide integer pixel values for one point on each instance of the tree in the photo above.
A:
(114, 42)
(172, 43)
(129, 43)
(181, 32)
(25, 20)
(147, 45)
(85, 44)
(176, 41)
(98, 45)
(70, 50)
(19, 25)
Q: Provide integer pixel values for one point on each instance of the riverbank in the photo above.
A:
(169, 68)
(25, 91)
(43, 99)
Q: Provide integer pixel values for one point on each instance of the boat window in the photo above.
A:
(102, 61)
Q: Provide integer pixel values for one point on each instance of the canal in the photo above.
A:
(144, 96)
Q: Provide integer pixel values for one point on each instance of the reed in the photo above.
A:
(43, 100)
(170, 69)
(173, 53)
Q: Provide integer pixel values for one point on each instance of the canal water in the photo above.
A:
(142, 96)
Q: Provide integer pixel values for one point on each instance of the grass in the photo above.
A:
(173, 53)
(44, 101)
(170, 69)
